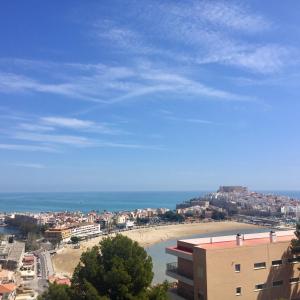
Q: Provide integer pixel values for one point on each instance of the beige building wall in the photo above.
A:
(222, 279)
(208, 267)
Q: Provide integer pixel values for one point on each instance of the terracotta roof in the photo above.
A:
(7, 288)
(59, 280)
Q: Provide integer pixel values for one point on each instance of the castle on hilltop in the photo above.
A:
(232, 189)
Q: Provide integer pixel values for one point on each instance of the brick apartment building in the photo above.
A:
(251, 266)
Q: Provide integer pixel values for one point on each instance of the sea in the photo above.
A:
(100, 201)
(87, 201)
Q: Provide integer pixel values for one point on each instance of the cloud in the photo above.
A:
(109, 84)
(81, 125)
(197, 32)
(29, 148)
(124, 38)
(255, 58)
(15, 83)
(129, 146)
(48, 134)
(170, 116)
(232, 15)
(29, 165)
(35, 127)
(68, 122)
(77, 141)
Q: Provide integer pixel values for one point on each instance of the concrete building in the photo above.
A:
(63, 234)
(85, 230)
(58, 234)
(251, 266)
(11, 254)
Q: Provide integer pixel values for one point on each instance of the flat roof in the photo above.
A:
(229, 241)
(250, 242)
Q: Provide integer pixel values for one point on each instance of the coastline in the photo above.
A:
(67, 258)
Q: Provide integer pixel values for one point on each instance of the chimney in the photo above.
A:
(272, 236)
(239, 240)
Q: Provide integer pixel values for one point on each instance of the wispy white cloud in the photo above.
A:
(168, 115)
(199, 32)
(29, 165)
(68, 122)
(81, 125)
(73, 140)
(15, 83)
(29, 148)
(129, 146)
(34, 127)
(233, 15)
(116, 84)
(124, 38)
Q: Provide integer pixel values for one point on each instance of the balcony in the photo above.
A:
(173, 271)
(179, 253)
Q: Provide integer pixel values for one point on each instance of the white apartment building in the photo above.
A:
(85, 230)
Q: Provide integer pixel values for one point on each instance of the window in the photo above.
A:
(276, 262)
(261, 265)
(278, 283)
(237, 268)
(294, 260)
(238, 291)
(294, 280)
(261, 286)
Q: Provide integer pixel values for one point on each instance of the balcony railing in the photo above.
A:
(172, 267)
(173, 271)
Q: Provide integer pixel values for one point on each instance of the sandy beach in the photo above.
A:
(67, 258)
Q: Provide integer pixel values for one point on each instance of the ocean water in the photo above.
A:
(112, 201)
(87, 201)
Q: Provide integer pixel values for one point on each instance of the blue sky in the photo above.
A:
(149, 95)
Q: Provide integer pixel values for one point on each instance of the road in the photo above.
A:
(44, 269)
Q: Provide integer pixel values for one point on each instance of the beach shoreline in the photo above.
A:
(67, 258)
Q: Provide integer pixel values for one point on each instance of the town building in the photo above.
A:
(6, 276)
(250, 266)
(85, 230)
(64, 233)
(58, 234)
(7, 291)
(11, 254)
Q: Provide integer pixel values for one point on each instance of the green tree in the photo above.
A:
(119, 269)
(57, 292)
(87, 292)
(295, 244)
(159, 292)
(218, 215)
(75, 239)
(172, 216)
(31, 243)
